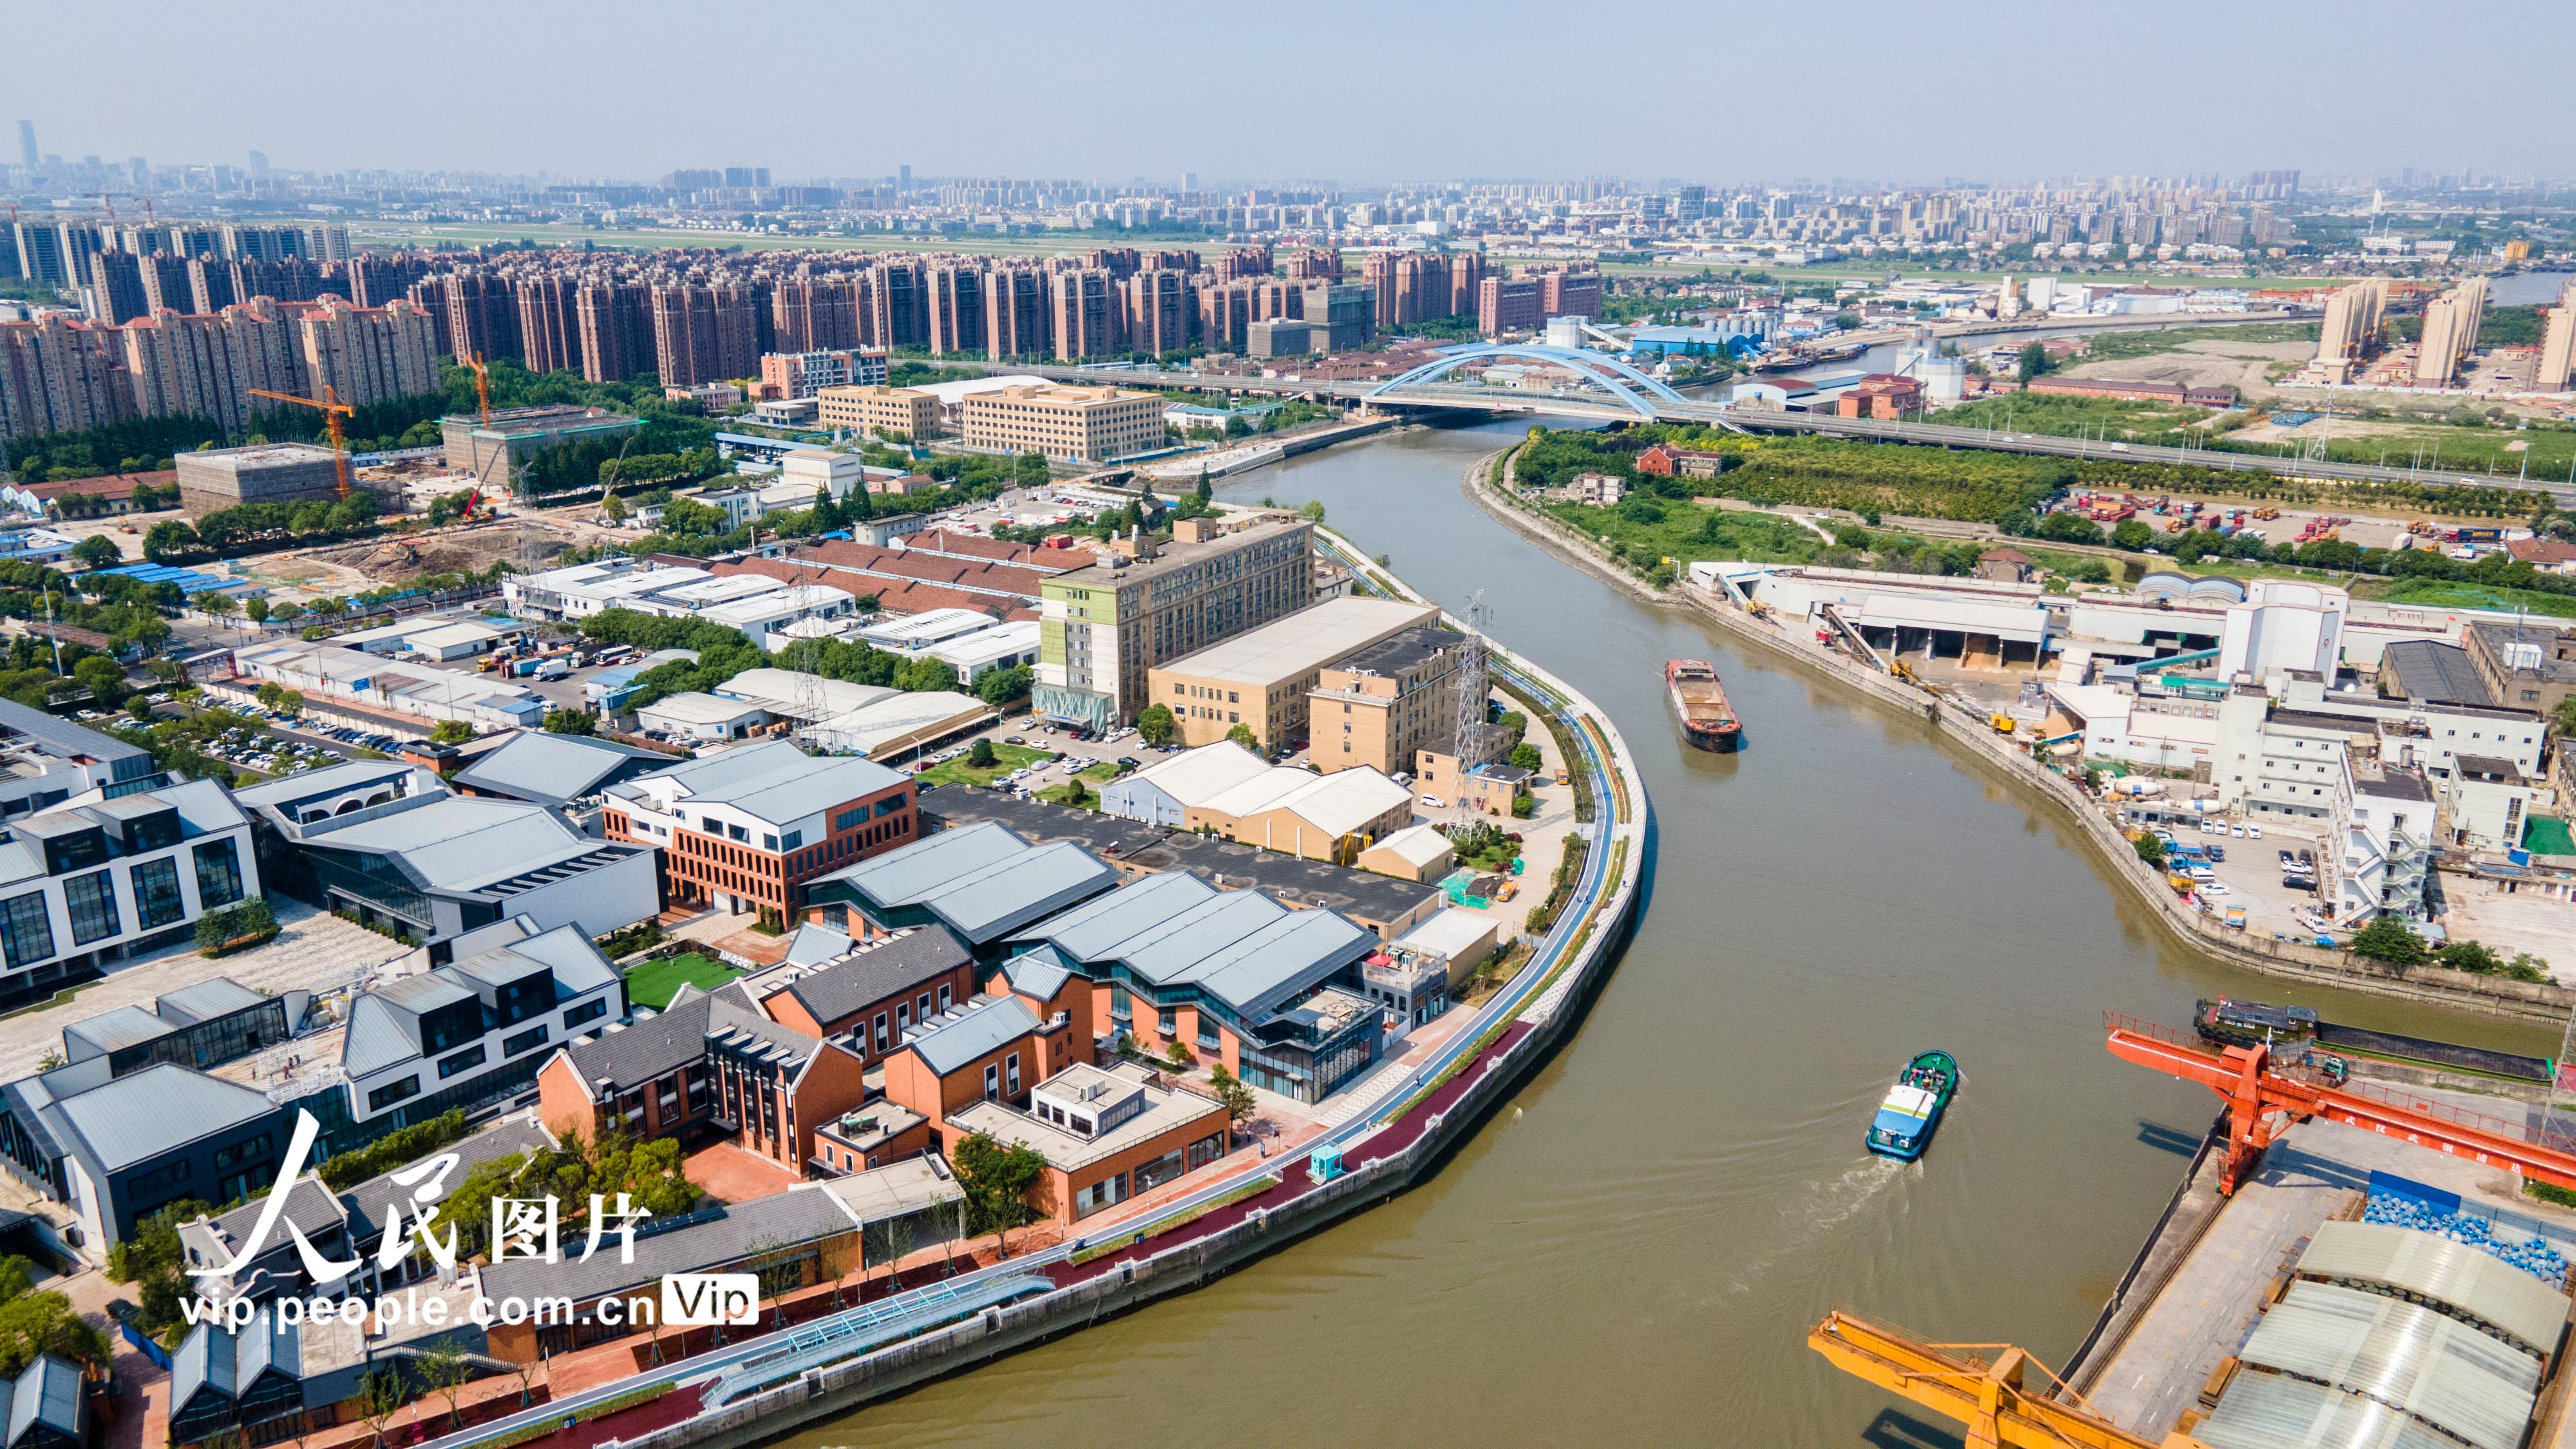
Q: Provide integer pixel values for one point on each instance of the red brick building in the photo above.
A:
(747, 828)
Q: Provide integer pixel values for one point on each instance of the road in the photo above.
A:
(1499, 1010)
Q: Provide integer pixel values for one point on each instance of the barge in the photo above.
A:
(1699, 702)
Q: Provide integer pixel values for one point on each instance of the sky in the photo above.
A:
(1360, 93)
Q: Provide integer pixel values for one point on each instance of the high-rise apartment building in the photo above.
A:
(369, 354)
(549, 321)
(210, 285)
(292, 279)
(178, 363)
(2350, 329)
(375, 280)
(482, 317)
(57, 375)
(1103, 627)
(2558, 345)
(898, 304)
(40, 254)
(116, 288)
(1225, 315)
(243, 243)
(705, 333)
(816, 313)
(1508, 304)
(956, 306)
(166, 284)
(27, 145)
(1017, 303)
(1160, 312)
(1085, 314)
(2450, 333)
(616, 330)
(1569, 293)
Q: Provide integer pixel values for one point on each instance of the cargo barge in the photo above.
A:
(2228, 1022)
(1699, 702)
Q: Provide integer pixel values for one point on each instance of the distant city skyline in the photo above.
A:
(1361, 95)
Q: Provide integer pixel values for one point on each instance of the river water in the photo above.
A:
(1633, 1251)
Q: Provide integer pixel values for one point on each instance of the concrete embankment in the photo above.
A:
(1420, 1122)
(2430, 985)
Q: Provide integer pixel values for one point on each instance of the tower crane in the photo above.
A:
(2261, 1102)
(333, 410)
(482, 387)
(1958, 1382)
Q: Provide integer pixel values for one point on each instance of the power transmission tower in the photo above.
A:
(1470, 740)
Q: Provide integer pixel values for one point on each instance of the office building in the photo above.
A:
(261, 473)
(2523, 667)
(1340, 317)
(1382, 705)
(1076, 424)
(117, 1149)
(1260, 678)
(748, 828)
(879, 411)
(1107, 625)
(788, 375)
(387, 842)
(102, 878)
(982, 883)
(465, 1034)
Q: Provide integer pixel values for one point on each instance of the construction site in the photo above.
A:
(2344, 1264)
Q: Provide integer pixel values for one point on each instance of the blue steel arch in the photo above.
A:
(1623, 380)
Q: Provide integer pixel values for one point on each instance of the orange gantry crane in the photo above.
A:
(333, 410)
(2262, 1101)
(1987, 1395)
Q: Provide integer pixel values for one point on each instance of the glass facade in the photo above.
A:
(219, 877)
(26, 930)
(157, 901)
(90, 900)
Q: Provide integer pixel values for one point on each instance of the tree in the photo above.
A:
(571, 722)
(451, 732)
(215, 604)
(2132, 534)
(925, 674)
(98, 551)
(104, 677)
(1180, 1058)
(170, 539)
(1242, 735)
(1156, 725)
(155, 1265)
(996, 1180)
(2470, 956)
(1313, 512)
(1230, 1090)
(1525, 756)
(41, 1323)
(980, 755)
(380, 1397)
(2035, 360)
(256, 611)
(613, 509)
(2151, 849)
(998, 687)
(445, 1368)
(1203, 495)
(2391, 940)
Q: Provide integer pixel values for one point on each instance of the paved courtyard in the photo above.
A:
(2513, 923)
(314, 951)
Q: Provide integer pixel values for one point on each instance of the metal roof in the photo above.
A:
(775, 781)
(551, 769)
(979, 1028)
(2437, 1270)
(142, 1115)
(2408, 1357)
(207, 1000)
(47, 1392)
(115, 1030)
(1011, 893)
(1301, 643)
(1241, 947)
(1194, 777)
(905, 876)
(1040, 973)
(2267, 1411)
(2435, 672)
(63, 739)
(459, 845)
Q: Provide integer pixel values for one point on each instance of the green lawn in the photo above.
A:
(654, 983)
(1102, 773)
(2452, 594)
(1006, 758)
(1063, 795)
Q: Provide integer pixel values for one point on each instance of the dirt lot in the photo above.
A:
(2212, 362)
(2509, 924)
(524, 543)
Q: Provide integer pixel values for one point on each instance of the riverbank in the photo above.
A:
(1489, 483)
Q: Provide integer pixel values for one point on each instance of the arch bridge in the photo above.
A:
(1596, 373)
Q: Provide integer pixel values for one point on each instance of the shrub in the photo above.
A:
(2391, 940)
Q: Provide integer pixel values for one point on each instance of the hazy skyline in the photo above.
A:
(1361, 93)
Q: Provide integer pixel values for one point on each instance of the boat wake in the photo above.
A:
(1822, 1208)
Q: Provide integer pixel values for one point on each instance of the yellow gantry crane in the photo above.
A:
(333, 410)
(1956, 1381)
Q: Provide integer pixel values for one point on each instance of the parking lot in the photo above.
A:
(2250, 874)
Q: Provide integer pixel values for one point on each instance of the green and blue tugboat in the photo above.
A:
(1905, 1121)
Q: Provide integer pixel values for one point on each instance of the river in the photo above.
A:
(1634, 1250)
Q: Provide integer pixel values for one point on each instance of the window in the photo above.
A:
(921, 1008)
(902, 1016)
(587, 1011)
(943, 996)
(392, 1092)
(26, 930)
(219, 878)
(156, 893)
(528, 1040)
(464, 1061)
(739, 833)
(881, 1031)
(792, 839)
(992, 1083)
(890, 804)
(91, 901)
(768, 841)
(1013, 1063)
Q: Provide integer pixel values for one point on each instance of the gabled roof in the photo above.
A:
(775, 781)
(979, 1028)
(1194, 777)
(1008, 894)
(651, 1048)
(460, 845)
(1240, 947)
(115, 1030)
(47, 1392)
(215, 997)
(144, 1114)
(906, 876)
(552, 769)
(887, 968)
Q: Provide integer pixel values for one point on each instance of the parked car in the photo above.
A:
(2217, 852)
(1434, 802)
